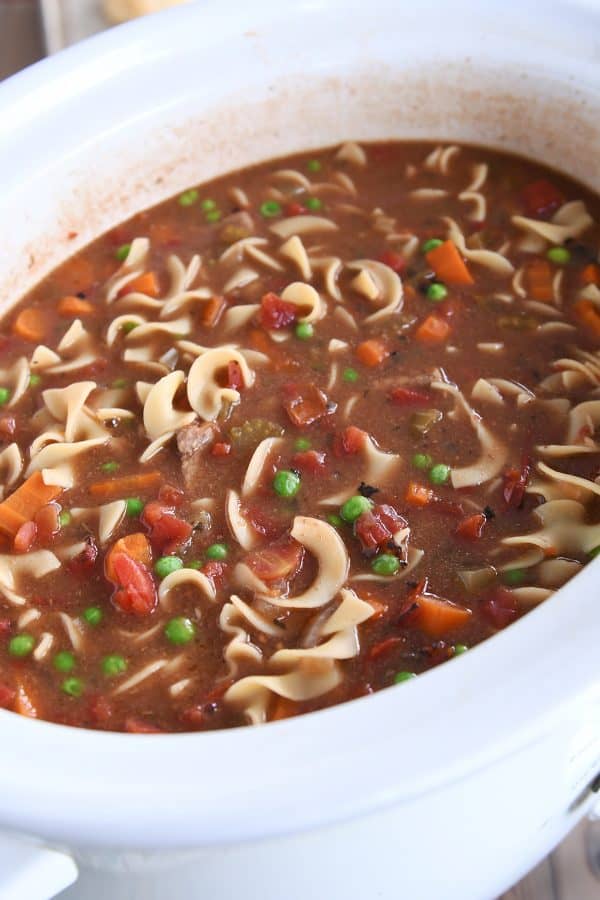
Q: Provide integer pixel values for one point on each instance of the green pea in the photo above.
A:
(313, 165)
(437, 292)
(399, 677)
(73, 686)
(286, 483)
(217, 551)
(439, 474)
(64, 661)
(350, 375)
(180, 630)
(114, 665)
(119, 383)
(313, 203)
(34, 380)
(208, 205)
(128, 327)
(188, 198)
(422, 461)
(302, 444)
(110, 466)
(213, 215)
(335, 520)
(21, 645)
(560, 256)
(64, 518)
(195, 564)
(122, 252)
(270, 208)
(304, 331)
(431, 244)
(166, 565)
(93, 615)
(134, 507)
(385, 564)
(355, 507)
(514, 576)
(594, 553)
(4, 395)
(460, 648)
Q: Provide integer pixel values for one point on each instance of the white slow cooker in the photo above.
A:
(451, 786)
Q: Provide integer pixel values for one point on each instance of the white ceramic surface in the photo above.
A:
(452, 785)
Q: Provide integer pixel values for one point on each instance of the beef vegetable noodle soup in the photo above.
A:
(297, 435)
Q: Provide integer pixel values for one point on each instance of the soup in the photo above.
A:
(297, 435)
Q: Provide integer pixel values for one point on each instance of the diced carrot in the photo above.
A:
(591, 274)
(136, 546)
(472, 527)
(588, 314)
(418, 494)
(23, 504)
(432, 330)
(126, 486)
(436, 617)
(211, 311)
(282, 709)
(448, 264)
(29, 325)
(71, 306)
(538, 280)
(144, 284)
(372, 352)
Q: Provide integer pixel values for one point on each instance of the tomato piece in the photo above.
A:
(276, 313)
(7, 696)
(171, 495)
(501, 609)
(305, 404)
(515, 483)
(266, 522)
(312, 461)
(25, 537)
(349, 442)
(8, 426)
(394, 260)
(48, 523)
(100, 710)
(235, 378)
(371, 531)
(221, 448)
(136, 592)
(472, 527)
(215, 570)
(541, 198)
(409, 397)
(138, 726)
(277, 562)
(294, 209)
(167, 532)
(84, 562)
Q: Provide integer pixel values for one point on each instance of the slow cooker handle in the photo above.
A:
(29, 872)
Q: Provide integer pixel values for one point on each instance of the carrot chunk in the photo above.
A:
(22, 505)
(448, 264)
(588, 314)
(436, 617)
(125, 486)
(144, 284)
(372, 352)
(29, 325)
(538, 280)
(418, 494)
(72, 307)
(432, 330)
(590, 274)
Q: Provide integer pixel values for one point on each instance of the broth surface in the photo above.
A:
(297, 435)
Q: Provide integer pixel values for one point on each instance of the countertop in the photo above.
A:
(572, 872)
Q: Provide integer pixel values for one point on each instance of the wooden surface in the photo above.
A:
(572, 872)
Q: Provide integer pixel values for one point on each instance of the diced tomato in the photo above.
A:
(409, 397)
(501, 608)
(25, 537)
(100, 710)
(276, 313)
(8, 426)
(472, 527)
(305, 403)
(138, 726)
(221, 448)
(312, 461)
(266, 522)
(277, 562)
(5, 626)
(394, 260)
(136, 592)
(167, 532)
(541, 198)
(294, 209)
(199, 714)
(7, 696)
(375, 527)
(349, 442)
(171, 495)
(235, 378)
(84, 562)
(384, 647)
(215, 570)
(48, 523)
(515, 483)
